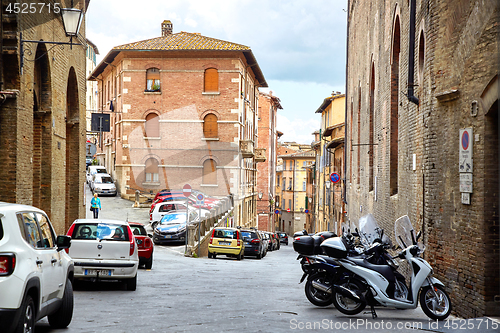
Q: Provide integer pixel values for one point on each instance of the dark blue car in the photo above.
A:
(172, 227)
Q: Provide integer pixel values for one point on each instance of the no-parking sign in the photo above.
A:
(465, 152)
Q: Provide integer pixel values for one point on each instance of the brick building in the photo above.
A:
(42, 113)
(266, 171)
(183, 110)
(329, 148)
(422, 104)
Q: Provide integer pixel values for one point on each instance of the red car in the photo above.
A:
(144, 244)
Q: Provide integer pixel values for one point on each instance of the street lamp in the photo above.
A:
(71, 18)
(260, 195)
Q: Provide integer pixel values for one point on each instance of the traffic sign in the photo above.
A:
(288, 210)
(307, 211)
(276, 211)
(465, 151)
(335, 177)
(186, 190)
(200, 198)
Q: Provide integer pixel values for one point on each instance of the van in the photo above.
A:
(92, 170)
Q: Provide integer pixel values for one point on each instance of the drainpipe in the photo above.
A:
(411, 54)
(346, 126)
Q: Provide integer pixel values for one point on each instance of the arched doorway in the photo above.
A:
(72, 149)
(42, 135)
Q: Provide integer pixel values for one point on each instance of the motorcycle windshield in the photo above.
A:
(369, 230)
(404, 232)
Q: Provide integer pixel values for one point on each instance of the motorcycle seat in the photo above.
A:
(385, 270)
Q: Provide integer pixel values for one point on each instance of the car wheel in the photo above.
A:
(27, 322)
(209, 255)
(214, 255)
(132, 283)
(239, 256)
(149, 263)
(62, 317)
(259, 256)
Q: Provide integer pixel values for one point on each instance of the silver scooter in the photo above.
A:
(374, 285)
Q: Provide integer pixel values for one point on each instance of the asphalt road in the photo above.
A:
(181, 294)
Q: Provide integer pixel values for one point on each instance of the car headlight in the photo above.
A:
(97, 188)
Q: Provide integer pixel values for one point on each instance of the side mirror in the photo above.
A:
(150, 236)
(63, 242)
(419, 234)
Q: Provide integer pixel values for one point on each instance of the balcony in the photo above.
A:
(260, 155)
(246, 147)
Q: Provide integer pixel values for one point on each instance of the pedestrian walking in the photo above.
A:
(95, 205)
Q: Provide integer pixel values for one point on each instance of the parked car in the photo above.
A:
(36, 275)
(277, 238)
(254, 245)
(272, 241)
(163, 208)
(226, 241)
(88, 161)
(102, 183)
(144, 244)
(93, 169)
(283, 237)
(265, 241)
(104, 249)
(172, 227)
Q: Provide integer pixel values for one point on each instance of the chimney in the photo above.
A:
(166, 28)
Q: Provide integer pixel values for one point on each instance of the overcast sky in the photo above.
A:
(299, 44)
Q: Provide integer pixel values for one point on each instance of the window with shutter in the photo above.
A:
(211, 80)
(151, 171)
(210, 127)
(152, 125)
(153, 79)
(209, 172)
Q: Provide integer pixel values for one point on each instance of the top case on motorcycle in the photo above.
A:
(308, 244)
(385, 270)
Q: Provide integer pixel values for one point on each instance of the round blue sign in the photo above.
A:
(335, 177)
(276, 211)
(465, 140)
(307, 210)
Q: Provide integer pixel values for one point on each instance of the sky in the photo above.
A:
(300, 45)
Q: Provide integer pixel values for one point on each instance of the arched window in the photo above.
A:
(209, 172)
(152, 125)
(153, 79)
(210, 127)
(211, 80)
(421, 60)
(151, 171)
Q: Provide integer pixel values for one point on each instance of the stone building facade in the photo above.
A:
(182, 110)
(42, 114)
(422, 88)
(266, 170)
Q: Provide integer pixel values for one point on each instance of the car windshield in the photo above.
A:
(138, 230)
(107, 231)
(249, 234)
(173, 219)
(104, 180)
(101, 171)
(225, 233)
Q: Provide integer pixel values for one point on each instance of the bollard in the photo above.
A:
(136, 203)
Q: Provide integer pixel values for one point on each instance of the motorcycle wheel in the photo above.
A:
(437, 304)
(346, 305)
(315, 296)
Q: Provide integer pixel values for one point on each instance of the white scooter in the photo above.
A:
(373, 285)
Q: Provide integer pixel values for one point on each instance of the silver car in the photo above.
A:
(102, 183)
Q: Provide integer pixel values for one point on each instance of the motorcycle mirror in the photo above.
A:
(412, 232)
(419, 234)
(382, 234)
(355, 234)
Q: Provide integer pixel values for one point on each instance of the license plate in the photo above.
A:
(224, 243)
(168, 236)
(106, 272)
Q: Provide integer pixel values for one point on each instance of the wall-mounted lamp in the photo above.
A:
(260, 195)
(71, 18)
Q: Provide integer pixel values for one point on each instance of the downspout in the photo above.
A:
(411, 55)
(344, 179)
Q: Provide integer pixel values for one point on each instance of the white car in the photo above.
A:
(36, 273)
(92, 170)
(102, 183)
(104, 249)
(165, 207)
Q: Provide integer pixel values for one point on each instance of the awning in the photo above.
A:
(335, 143)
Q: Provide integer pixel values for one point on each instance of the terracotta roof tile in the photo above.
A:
(183, 41)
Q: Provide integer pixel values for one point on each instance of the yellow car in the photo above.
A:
(226, 241)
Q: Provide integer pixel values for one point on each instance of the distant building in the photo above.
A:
(422, 134)
(294, 201)
(183, 110)
(266, 171)
(92, 97)
(42, 114)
